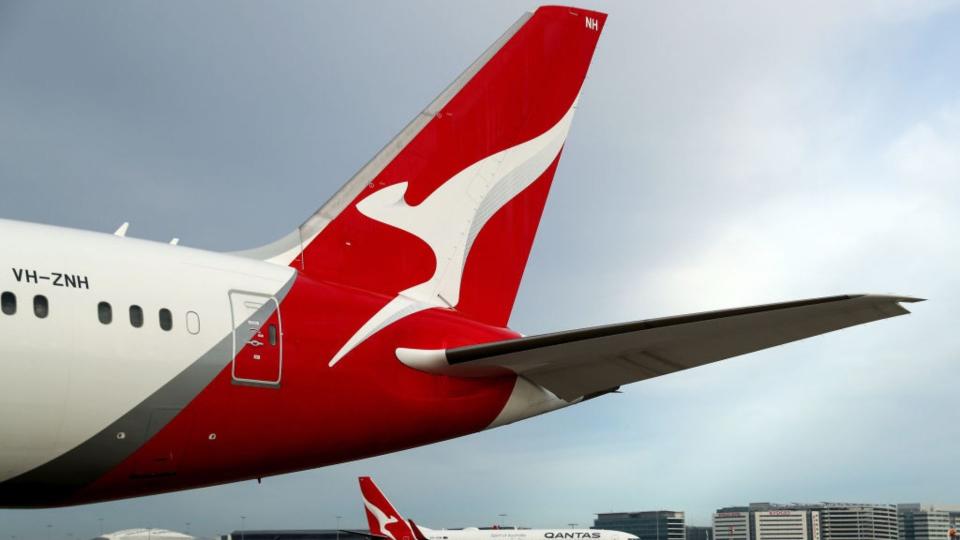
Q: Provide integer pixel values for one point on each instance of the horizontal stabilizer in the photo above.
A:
(577, 363)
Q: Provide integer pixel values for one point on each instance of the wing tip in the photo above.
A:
(891, 297)
(889, 304)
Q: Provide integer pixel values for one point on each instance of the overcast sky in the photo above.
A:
(723, 154)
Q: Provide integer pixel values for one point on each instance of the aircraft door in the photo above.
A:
(257, 339)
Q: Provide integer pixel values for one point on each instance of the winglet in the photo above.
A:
(890, 303)
(889, 297)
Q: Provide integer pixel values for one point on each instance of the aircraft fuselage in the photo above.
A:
(93, 410)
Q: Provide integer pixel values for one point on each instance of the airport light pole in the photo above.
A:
(243, 519)
(503, 517)
(338, 527)
(101, 525)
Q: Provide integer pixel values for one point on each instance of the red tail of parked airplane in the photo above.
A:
(386, 523)
(130, 367)
(383, 519)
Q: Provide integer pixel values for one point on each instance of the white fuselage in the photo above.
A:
(67, 376)
(525, 534)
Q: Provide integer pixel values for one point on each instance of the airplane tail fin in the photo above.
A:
(446, 213)
(382, 518)
(417, 532)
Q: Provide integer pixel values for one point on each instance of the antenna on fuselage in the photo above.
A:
(122, 231)
(175, 241)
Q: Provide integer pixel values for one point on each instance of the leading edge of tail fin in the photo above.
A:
(451, 205)
(417, 532)
(382, 518)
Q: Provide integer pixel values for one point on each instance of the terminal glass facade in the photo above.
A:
(922, 522)
(820, 521)
(859, 522)
(655, 525)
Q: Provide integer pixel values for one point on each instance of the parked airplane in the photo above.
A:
(386, 523)
(132, 367)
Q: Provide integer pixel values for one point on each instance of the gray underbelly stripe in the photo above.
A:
(57, 479)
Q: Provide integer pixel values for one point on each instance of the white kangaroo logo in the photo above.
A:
(382, 519)
(450, 219)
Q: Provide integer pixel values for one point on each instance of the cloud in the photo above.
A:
(928, 152)
(722, 155)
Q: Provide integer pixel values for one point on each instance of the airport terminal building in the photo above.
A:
(652, 525)
(822, 521)
(731, 524)
(925, 522)
(695, 532)
(859, 521)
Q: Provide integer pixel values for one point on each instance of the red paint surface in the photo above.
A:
(524, 90)
(395, 526)
(319, 415)
(371, 403)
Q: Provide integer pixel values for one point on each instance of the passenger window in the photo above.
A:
(105, 312)
(8, 302)
(272, 334)
(40, 306)
(136, 316)
(166, 319)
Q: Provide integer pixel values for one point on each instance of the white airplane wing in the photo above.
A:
(580, 363)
